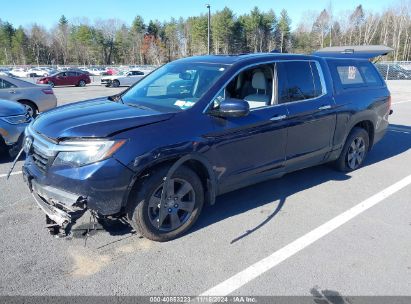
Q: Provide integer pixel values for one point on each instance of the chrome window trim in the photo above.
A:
(320, 72)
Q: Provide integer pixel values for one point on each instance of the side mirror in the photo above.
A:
(232, 107)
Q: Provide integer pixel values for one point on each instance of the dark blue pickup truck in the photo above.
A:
(199, 127)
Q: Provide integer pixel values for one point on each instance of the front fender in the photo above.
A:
(144, 163)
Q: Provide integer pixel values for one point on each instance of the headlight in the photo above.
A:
(80, 153)
(15, 120)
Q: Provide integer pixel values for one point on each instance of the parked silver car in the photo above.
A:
(13, 120)
(36, 98)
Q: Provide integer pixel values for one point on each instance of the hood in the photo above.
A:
(94, 118)
(10, 108)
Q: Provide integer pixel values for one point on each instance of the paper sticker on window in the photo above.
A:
(352, 71)
(180, 103)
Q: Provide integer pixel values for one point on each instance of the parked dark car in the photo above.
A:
(14, 118)
(66, 78)
(393, 71)
(155, 154)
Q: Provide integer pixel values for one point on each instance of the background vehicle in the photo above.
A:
(96, 71)
(69, 77)
(111, 71)
(41, 71)
(6, 73)
(124, 78)
(20, 72)
(34, 97)
(393, 71)
(13, 120)
(200, 127)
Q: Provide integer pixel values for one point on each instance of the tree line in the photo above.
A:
(112, 41)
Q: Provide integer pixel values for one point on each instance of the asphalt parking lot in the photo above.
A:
(368, 254)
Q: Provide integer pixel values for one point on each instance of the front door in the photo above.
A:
(249, 149)
(60, 79)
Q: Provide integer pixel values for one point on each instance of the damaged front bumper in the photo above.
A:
(61, 207)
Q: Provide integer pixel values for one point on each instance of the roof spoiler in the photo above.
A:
(354, 51)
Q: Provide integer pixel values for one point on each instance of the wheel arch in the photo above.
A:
(195, 162)
(368, 126)
(29, 101)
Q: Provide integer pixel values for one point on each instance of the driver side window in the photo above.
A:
(254, 85)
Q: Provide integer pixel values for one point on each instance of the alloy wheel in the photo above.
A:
(356, 153)
(177, 207)
(29, 110)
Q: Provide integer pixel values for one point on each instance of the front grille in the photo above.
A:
(41, 160)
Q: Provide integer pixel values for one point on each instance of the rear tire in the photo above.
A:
(354, 151)
(30, 107)
(115, 83)
(180, 209)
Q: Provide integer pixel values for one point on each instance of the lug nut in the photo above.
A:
(175, 206)
(169, 210)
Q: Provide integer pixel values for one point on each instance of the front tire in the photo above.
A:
(51, 83)
(81, 83)
(115, 83)
(354, 151)
(180, 210)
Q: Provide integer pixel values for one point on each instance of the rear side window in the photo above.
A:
(349, 74)
(6, 85)
(370, 74)
(298, 80)
(354, 74)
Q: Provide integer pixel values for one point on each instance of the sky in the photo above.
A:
(47, 13)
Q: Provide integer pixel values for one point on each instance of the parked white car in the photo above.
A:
(124, 78)
(41, 71)
(20, 72)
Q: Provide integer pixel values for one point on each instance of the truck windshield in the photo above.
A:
(174, 87)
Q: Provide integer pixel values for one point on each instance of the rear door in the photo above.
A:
(8, 90)
(311, 116)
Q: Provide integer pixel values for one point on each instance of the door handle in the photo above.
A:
(325, 107)
(12, 91)
(278, 117)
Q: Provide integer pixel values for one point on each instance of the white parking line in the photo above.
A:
(13, 173)
(398, 102)
(260, 267)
